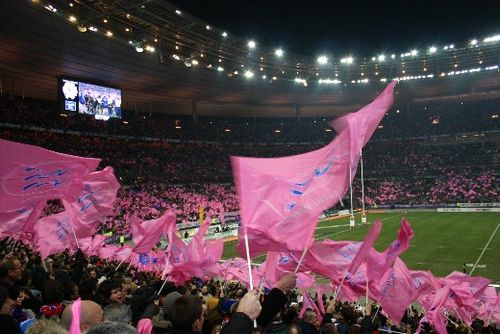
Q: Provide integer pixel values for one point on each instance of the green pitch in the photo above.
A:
(443, 242)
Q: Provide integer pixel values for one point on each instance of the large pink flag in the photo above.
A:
(330, 258)
(54, 235)
(394, 290)
(434, 311)
(379, 263)
(487, 303)
(423, 283)
(367, 245)
(281, 198)
(20, 223)
(96, 196)
(29, 173)
(147, 234)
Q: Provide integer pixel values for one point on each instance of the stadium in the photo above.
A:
(158, 152)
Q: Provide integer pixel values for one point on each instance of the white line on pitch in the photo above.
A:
(484, 249)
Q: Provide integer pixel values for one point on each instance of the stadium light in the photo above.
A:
(224, 34)
(473, 42)
(381, 58)
(252, 44)
(414, 52)
(278, 52)
(322, 60)
(347, 60)
(432, 49)
(492, 39)
(220, 68)
(249, 74)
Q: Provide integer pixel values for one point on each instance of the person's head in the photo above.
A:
(52, 292)
(91, 314)
(6, 302)
(112, 328)
(11, 270)
(111, 291)
(187, 313)
(46, 326)
(310, 317)
(118, 313)
(168, 303)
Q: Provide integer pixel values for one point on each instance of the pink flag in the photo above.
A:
(434, 314)
(108, 251)
(54, 235)
(30, 173)
(363, 123)
(487, 303)
(91, 246)
(20, 223)
(367, 245)
(394, 290)
(75, 317)
(96, 197)
(319, 297)
(423, 282)
(145, 326)
(379, 263)
(281, 198)
(308, 303)
(147, 234)
(331, 258)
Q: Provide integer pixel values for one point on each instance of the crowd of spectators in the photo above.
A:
(39, 297)
(402, 121)
(158, 174)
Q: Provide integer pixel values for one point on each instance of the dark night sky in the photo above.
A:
(363, 28)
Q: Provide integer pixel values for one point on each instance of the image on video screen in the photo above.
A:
(102, 102)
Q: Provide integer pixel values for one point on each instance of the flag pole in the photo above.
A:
(14, 245)
(74, 234)
(366, 301)
(301, 259)
(247, 249)
(338, 288)
(363, 212)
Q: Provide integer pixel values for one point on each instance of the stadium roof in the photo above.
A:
(164, 59)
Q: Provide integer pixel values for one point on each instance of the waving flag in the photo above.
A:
(147, 234)
(281, 198)
(91, 246)
(20, 223)
(308, 303)
(54, 235)
(379, 263)
(330, 258)
(393, 291)
(30, 173)
(367, 245)
(96, 197)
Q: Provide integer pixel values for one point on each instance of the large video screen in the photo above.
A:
(86, 98)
